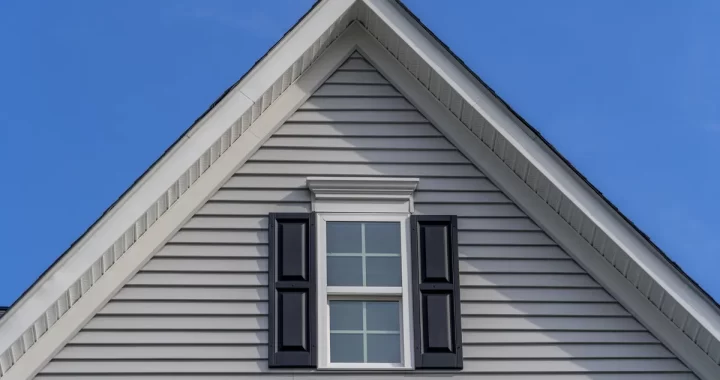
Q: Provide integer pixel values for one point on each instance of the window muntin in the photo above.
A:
(363, 254)
(364, 316)
(365, 332)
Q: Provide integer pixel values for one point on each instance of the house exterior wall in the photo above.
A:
(199, 307)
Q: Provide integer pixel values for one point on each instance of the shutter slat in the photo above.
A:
(436, 292)
(292, 303)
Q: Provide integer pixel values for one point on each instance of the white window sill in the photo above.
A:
(364, 367)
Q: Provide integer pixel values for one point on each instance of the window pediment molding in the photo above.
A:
(362, 194)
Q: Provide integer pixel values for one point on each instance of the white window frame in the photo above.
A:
(325, 293)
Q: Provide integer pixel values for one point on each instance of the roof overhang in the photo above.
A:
(484, 128)
(168, 180)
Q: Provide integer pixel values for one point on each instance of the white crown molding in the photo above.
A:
(362, 194)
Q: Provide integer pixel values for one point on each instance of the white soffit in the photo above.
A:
(168, 180)
(507, 179)
(545, 173)
(184, 208)
(559, 188)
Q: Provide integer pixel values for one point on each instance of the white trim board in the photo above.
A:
(61, 286)
(550, 165)
(200, 138)
(463, 94)
(145, 193)
(480, 155)
(140, 253)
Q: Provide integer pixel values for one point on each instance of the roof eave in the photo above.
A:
(567, 171)
(118, 223)
(566, 186)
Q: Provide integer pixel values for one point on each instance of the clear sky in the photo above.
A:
(92, 92)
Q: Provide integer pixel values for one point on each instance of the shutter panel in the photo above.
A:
(436, 292)
(292, 288)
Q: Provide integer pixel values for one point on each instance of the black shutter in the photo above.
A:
(436, 292)
(292, 304)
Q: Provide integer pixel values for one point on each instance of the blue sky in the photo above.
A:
(92, 93)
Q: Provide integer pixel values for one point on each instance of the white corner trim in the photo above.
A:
(573, 187)
(216, 175)
(362, 194)
(480, 155)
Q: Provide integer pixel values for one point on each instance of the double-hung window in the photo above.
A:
(363, 291)
(361, 283)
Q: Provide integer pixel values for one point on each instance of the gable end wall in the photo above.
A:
(199, 307)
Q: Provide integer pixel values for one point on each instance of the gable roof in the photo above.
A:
(522, 163)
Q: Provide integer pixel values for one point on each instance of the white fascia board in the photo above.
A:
(159, 233)
(293, 46)
(537, 209)
(557, 172)
(156, 182)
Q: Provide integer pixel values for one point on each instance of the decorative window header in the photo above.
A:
(362, 194)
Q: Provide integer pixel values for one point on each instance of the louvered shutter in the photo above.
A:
(436, 292)
(292, 291)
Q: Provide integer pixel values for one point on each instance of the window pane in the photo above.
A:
(344, 271)
(346, 315)
(344, 237)
(383, 348)
(365, 331)
(383, 316)
(346, 348)
(382, 237)
(383, 271)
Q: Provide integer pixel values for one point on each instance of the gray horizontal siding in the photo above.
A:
(353, 104)
(354, 375)
(198, 309)
(297, 182)
(360, 169)
(619, 367)
(357, 90)
(359, 77)
(359, 130)
(359, 143)
(411, 157)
